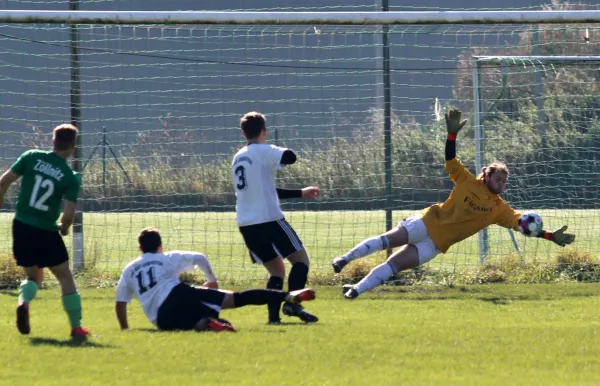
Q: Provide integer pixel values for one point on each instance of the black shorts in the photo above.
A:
(268, 240)
(185, 306)
(33, 246)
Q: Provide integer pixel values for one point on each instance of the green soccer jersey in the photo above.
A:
(47, 179)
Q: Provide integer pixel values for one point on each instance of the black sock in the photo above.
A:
(273, 307)
(298, 276)
(258, 297)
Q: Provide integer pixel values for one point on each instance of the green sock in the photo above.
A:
(27, 291)
(72, 305)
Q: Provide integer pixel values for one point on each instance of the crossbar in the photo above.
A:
(550, 59)
(278, 18)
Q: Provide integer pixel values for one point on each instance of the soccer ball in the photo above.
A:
(530, 224)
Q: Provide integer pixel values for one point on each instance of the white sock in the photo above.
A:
(376, 277)
(366, 247)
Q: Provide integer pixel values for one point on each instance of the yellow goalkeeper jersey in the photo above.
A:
(470, 208)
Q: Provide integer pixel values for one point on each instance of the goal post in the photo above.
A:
(518, 74)
(161, 94)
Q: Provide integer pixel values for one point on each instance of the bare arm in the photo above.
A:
(5, 181)
(121, 310)
(68, 216)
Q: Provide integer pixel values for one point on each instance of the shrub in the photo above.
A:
(11, 275)
(580, 266)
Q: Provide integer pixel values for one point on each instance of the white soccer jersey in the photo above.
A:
(254, 183)
(152, 276)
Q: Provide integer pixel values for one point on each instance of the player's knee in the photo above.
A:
(396, 238)
(63, 276)
(405, 258)
(68, 287)
(67, 282)
(39, 277)
(275, 267)
(299, 257)
(275, 282)
(306, 262)
(302, 263)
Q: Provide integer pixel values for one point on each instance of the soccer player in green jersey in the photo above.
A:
(37, 241)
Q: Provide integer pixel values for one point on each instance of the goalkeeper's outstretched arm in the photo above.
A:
(509, 219)
(453, 126)
(451, 147)
(558, 237)
(456, 170)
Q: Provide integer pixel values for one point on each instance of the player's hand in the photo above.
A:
(311, 192)
(211, 284)
(561, 238)
(63, 230)
(453, 122)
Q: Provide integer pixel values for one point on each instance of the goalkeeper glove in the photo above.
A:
(453, 122)
(559, 236)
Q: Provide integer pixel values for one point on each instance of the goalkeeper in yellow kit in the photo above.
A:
(473, 204)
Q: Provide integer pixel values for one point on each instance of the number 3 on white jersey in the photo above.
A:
(240, 172)
(40, 204)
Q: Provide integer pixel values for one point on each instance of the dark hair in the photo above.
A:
(64, 136)
(149, 240)
(252, 124)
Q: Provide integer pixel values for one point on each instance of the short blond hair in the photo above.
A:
(64, 136)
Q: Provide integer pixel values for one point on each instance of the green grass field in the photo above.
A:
(546, 334)
(110, 239)
(469, 335)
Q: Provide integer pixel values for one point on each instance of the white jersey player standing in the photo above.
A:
(267, 234)
(171, 305)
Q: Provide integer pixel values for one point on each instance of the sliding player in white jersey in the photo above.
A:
(261, 222)
(171, 305)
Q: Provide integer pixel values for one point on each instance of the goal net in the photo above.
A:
(540, 115)
(160, 107)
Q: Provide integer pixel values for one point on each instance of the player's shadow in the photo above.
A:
(9, 292)
(499, 301)
(146, 329)
(292, 324)
(39, 341)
